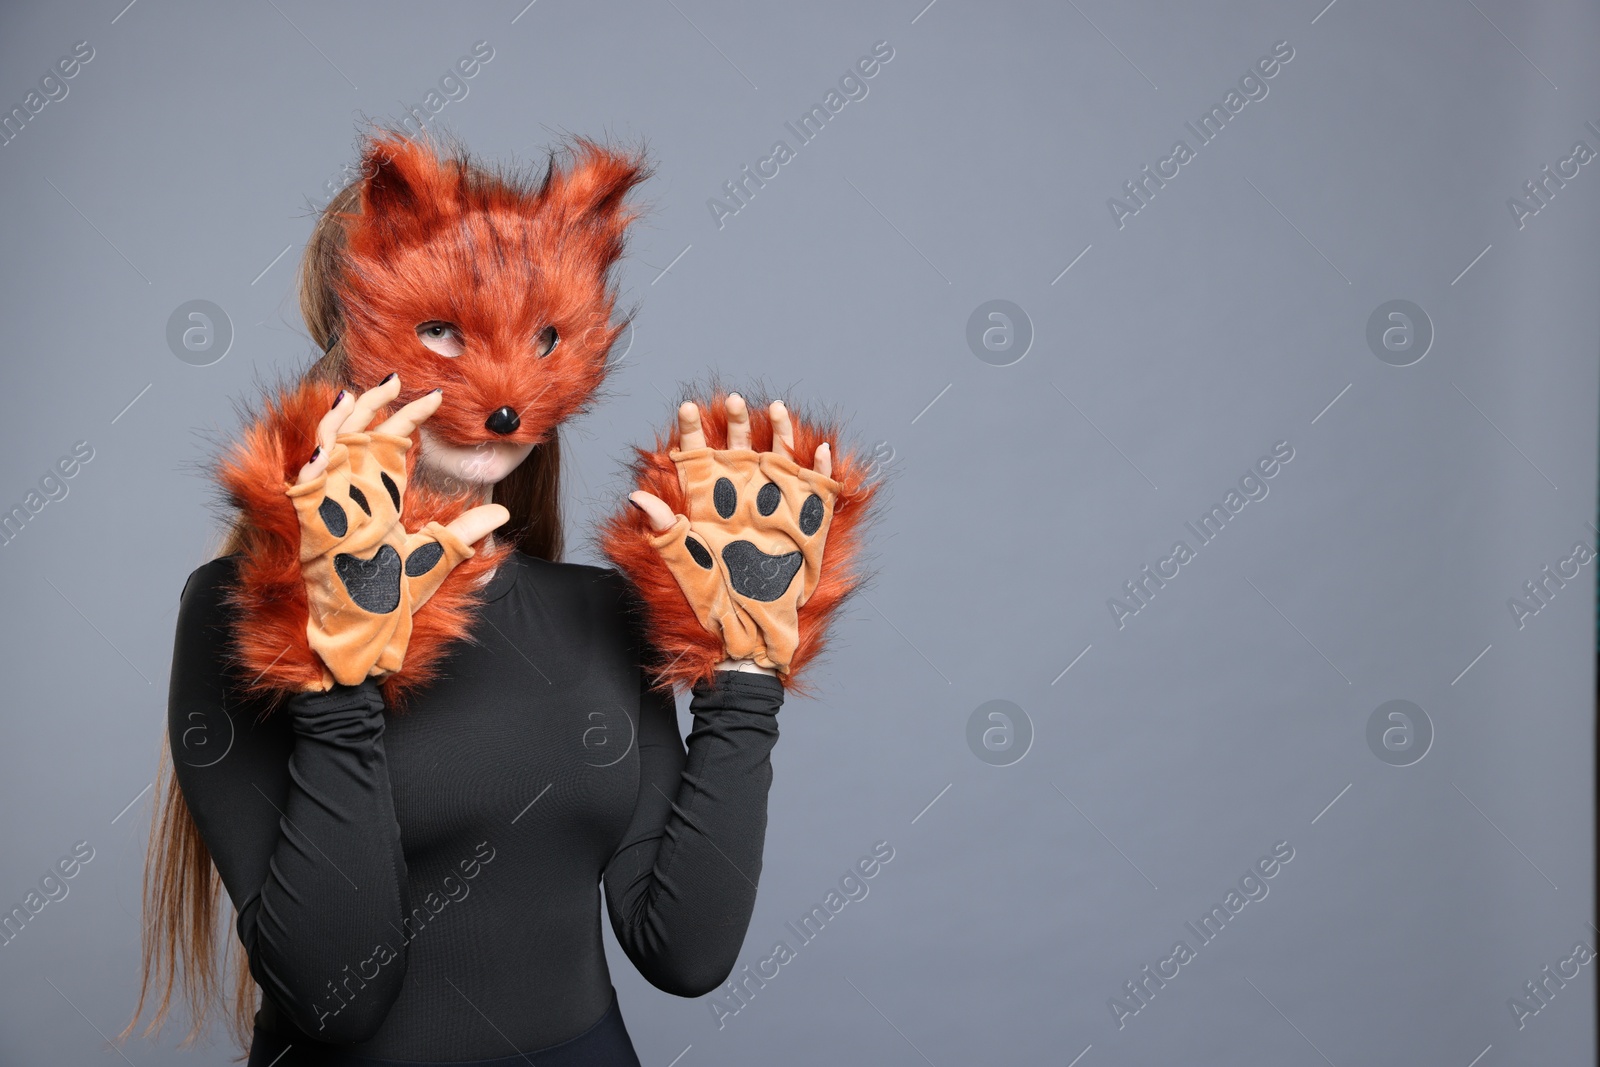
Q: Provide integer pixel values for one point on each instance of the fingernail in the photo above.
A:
(392, 375)
(438, 388)
(338, 399)
(316, 454)
(635, 503)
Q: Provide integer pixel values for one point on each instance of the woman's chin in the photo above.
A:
(468, 467)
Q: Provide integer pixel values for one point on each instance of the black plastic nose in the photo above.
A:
(503, 420)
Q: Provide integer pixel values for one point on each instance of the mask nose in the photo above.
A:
(503, 421)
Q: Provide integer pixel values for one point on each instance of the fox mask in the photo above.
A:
(513, 276)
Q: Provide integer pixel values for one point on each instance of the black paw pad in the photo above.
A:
(394, 490)
(768, 499)
(361, 499)
(698, 551)
(333, 517)
(811, 515)
(374, 584)
(724, 497)
(424, 559)
(755, 574)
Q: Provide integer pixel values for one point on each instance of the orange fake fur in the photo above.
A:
(268, 602)
(688, 652)
(500, 257)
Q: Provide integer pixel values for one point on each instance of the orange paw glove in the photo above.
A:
(748, 555)
(365, 574)
(743, 539)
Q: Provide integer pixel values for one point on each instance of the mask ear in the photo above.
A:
(405, 188)
(587, 195)
(387, 190)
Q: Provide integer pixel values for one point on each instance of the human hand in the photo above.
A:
(365, 574)
(757, 522)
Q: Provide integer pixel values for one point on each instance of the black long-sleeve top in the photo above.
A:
(422, 884)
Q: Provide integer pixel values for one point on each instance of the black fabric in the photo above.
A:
(701, 554)
(360, 498)
(424, 559)
(811, 511)
(421, 884)
(605, 1044)
(394, 490)
(724, 497)
(373, 583)
(768, 497)
(333, 517)
(756, 574)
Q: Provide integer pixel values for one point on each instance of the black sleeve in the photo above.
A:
(681, 887)
(299, 819)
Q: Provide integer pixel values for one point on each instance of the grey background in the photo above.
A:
(1229, 714)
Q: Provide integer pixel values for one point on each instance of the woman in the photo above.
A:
(408, 740)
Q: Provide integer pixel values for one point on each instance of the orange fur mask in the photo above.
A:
(520, 270)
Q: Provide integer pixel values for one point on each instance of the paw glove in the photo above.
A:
(364, 573)
(748, 555)
(763, 552)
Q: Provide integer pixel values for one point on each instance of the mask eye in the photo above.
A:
(544, 342)
(442, 337)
